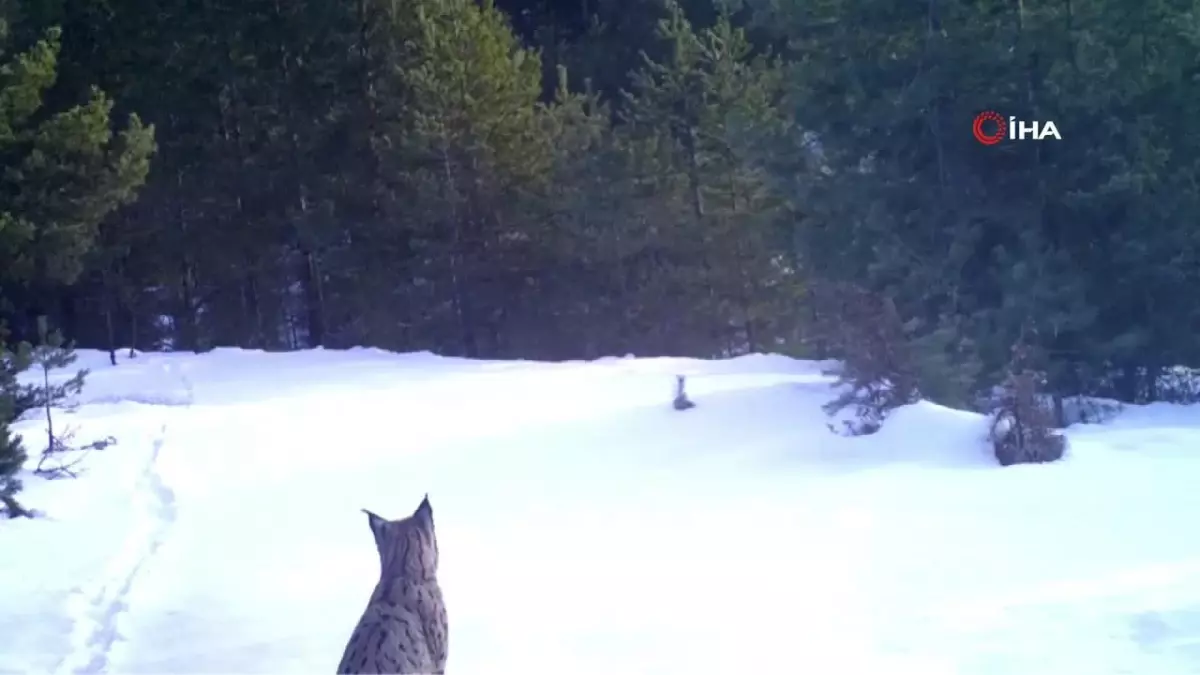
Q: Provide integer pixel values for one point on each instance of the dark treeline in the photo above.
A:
(570, 180)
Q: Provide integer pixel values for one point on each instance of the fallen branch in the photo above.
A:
(59, 449)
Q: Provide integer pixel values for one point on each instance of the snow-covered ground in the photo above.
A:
(586, 527)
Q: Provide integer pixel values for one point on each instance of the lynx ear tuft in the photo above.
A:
(424, 510)
(376, 522)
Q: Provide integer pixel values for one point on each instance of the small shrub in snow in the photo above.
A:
(876, 370)
(1179, 385)
(886, 362)
(1022, 430)
(16, 398)
(60, 457)
(681, 401)
(1087, 410)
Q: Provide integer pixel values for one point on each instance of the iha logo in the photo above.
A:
(990, 128)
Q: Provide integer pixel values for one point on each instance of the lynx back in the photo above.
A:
(404, 628)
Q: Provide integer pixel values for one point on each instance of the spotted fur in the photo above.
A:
(403, 629)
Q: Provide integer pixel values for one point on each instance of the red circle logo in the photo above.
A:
(984, 137)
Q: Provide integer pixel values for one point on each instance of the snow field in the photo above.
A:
(586, 527)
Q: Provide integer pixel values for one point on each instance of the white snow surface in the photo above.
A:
(587, 527)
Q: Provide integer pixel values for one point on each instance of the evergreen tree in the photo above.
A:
(408, 175)
(12, 453)
(895, 194)
(586, 299)
(63, 172)
(51, 353)
(464, 153)
(696, 122)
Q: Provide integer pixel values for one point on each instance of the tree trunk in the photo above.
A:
(133, 332)
(109, 325)
(188, 330)
(460, 298)
(314, 298)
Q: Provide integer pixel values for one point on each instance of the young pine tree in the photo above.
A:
(52, 353)
(12, 453)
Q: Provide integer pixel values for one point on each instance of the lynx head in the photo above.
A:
(407, 547)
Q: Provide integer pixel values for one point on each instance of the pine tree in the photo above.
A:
(587, 297)
(51, 353)
(975, 244)
(63, 171)
(464, 153)
(12, 453)
(697, 121)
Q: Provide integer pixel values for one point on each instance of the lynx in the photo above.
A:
(403, 629)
